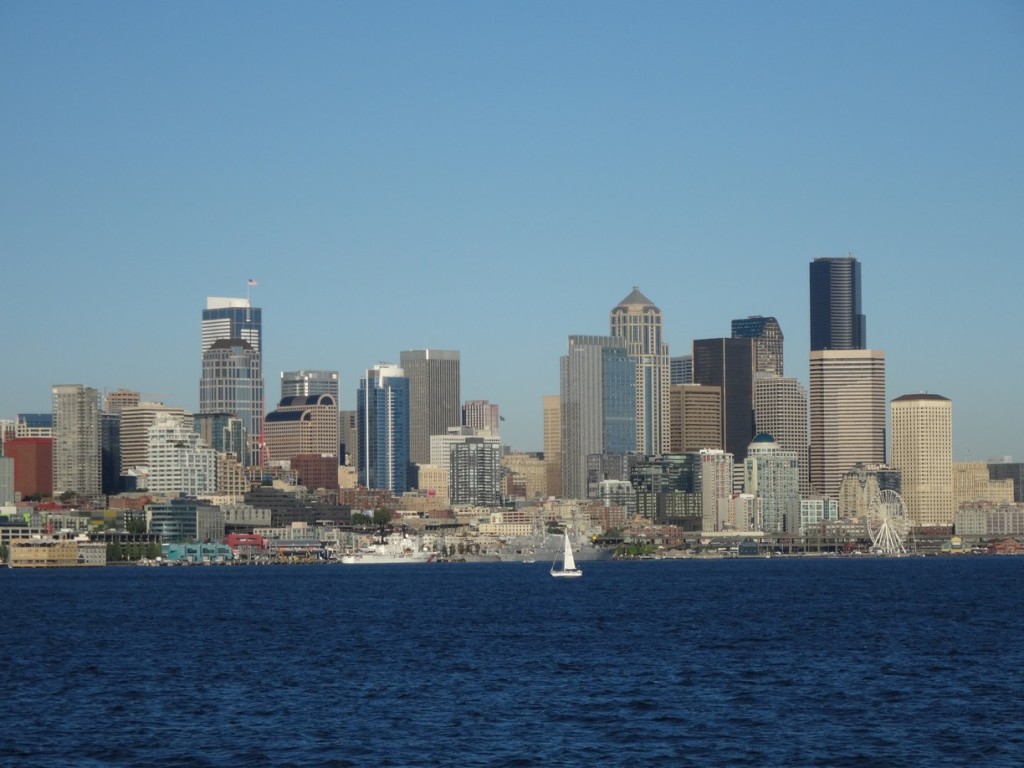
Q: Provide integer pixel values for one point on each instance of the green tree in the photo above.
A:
(381, 516)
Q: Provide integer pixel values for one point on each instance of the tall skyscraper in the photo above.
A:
(309, 384)
(729, 364)
(847, 414)
(232, 382)
(637, 321)
(383, 413)
(110, 446)
(836, 319)
(780, 409)
(598, 394)
(553, 444)
(767, 336)
(922, 450)
(435, 399)
(232, 373)
(77, 451)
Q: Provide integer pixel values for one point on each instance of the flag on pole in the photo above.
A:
(252, 283)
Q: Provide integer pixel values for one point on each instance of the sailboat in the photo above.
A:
(568, 562)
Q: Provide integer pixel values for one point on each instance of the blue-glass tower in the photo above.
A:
(383, 419)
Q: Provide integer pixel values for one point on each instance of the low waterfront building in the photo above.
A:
(987, 519)
(198, 552)
(185, 520)
(52, 552)
(506, 529)
(817, 509)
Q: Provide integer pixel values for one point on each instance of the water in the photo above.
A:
(763, 662)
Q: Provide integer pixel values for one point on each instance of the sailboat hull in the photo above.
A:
(576, 572)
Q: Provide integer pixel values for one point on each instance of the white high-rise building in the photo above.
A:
(847, 414)
(135, 423)
(773, 474)
(77, 447)
(179, 463)
(922, 450)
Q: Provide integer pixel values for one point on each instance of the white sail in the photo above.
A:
(569, 562)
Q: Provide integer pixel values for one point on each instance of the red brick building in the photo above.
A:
(316, 471)
(33, 465)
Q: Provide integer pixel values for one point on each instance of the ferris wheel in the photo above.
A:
(888, 524)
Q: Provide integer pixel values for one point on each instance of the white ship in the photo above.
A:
(546, 547)
(392, 550)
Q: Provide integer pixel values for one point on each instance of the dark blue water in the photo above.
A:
(765, 662)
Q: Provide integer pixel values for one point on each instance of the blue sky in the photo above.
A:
(492, 177)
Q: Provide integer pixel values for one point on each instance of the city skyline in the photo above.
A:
(636, 151)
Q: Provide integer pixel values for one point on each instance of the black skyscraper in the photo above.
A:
(729, 364)
(836, 319)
